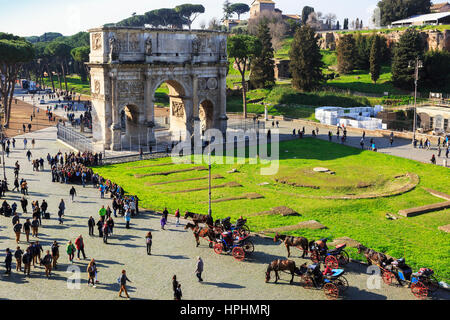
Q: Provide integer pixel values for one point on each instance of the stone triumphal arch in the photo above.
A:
(128, 64)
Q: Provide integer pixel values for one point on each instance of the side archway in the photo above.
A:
(206, 114)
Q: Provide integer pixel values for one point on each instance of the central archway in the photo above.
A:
(206, 114)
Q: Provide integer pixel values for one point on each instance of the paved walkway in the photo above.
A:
(174, 252)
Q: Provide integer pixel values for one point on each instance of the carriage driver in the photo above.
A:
(227, 236)
(322, 245)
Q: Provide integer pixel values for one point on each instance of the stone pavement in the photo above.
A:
(174, 252)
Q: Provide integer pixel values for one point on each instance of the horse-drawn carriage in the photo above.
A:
(422, 283)
(239, 246)
(332, 258)
(333, 284)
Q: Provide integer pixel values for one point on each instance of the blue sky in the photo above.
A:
(32, 17)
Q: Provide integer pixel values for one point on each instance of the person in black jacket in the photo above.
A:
(27, 262)
(27, 228)
(91, 224)
(47, 262)
(44, 207)
(24, 204)
(18, 255)
(15, 219)
(8, 261)
(17, 230)
(100, 228)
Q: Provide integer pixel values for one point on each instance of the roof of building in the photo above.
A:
(437, 6)
(263, 1)
(423, 17)
(292, 16)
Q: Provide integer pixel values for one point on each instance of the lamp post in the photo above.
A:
(417, 64)
(3, 150)
(209, 178)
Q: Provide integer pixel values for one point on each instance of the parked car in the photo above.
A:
(42, 102)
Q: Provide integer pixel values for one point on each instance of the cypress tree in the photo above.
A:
(409, 47)
(262, 66)
(345, 27)
(346, 53)
(375, 59)
(306, 60)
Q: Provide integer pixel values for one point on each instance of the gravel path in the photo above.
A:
(174, 252)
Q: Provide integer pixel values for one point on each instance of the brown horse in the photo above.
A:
(201, 232)
(290, 241)
(199, 218)
(372, 256)
(284, 265)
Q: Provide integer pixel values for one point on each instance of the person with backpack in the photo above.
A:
(18, 255)
(70, 251)
(148, 241)
(47, 262)
(92, 273)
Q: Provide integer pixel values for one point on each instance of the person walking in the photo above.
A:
(100, 228)
(174, 285)
(92, 273)
(105, 232)
(8, 261)
(70, 251)
(26, 259)
(55, 254)
(433, 159)
(61, 207)
(33, 142)
(177, 216)
(35, 227)
(91, 224)
(127, 218)
(27, 229)
(199, 269)
(73, 193)
(102, 213)
(25, 141)
(110, 223)
(18, 255)
(178, 294)
(47, 262)
(16, 185)
(17, 230)
(79, 243)
(24, 204)
(29, 155)
(123, 281)
(148, 241)
(44, 207)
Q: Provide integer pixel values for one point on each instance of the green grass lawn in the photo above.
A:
(417, 238)
(73, 82)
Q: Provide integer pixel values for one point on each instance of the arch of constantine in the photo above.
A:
(128, 64)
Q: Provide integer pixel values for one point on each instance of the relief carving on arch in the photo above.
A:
(178, 109)
(96, 41)
(133, 42)
(127, 88)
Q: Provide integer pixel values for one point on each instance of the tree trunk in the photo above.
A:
(50, 74)
(244, 89)
(64, 75)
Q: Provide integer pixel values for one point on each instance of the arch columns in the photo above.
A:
(115, 119)
(149, 113)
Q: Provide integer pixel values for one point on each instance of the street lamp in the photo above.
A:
(209, 178)
(417, 64)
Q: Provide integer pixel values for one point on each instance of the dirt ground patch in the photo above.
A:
(283, 211)
(21, 113)
(295, 184)
(445, 228)
(217, 176)
(166, 173)
(250, 196)
(348, 241)
(225, 185)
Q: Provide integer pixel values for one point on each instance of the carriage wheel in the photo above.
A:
(238, 253)
(431, 283)
(307, 282)
(218, 248)
(315, 256)
(388, 277)
(419, 290)
(331, 261)
(342, 283)
(248, 246)
(343, 258)
(331, 291)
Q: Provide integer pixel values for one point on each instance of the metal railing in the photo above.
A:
(75, 139)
